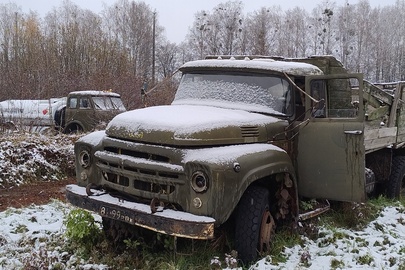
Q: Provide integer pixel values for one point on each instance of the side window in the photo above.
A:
(318, 92)
(84, 103)
(335, 98)
(73, 102)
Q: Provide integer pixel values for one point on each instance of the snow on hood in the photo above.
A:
(183, 120)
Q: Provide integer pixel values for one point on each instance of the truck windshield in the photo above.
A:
(250, 92)
(108, 103)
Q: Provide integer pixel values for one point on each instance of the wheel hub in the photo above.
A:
(267, 228)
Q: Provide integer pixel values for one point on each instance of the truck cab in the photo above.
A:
(87, 110)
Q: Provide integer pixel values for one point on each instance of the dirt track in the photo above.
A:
(35, 193)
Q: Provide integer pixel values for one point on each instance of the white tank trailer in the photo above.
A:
(32, 114)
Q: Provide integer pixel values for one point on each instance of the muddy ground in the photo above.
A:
(37, 193)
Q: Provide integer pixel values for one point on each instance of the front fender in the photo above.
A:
(232, 170)
(88, 144)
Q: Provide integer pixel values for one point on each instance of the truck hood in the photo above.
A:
(188, 125)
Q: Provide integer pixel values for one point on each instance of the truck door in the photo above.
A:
(80, 110)
(85, 113)
(330, 148)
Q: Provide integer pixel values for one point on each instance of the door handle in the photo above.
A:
(353, 132)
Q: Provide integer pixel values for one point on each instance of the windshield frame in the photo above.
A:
(108, 103)
(248, 91)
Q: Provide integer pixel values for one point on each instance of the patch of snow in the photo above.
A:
(292, 68)
(27, 157)
(379, 246)
(227, 154)
(94, 138)
(25, 233)
(32, 238)
(95, 93)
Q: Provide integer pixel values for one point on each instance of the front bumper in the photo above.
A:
(168, 221)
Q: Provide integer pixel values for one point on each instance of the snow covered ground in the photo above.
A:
(33, 237)
(380, 245)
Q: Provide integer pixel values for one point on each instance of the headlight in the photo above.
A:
(84, 158)
(199, 181)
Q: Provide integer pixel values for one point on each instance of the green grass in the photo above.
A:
(161, 253)
(355, 215)
(283, 238)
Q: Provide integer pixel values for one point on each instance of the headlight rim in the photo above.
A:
(194, 184)
(85, 158)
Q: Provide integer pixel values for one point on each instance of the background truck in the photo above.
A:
(245, 139)
(80, 111)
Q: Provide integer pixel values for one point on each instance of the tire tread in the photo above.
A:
(395, 180)
(248, 222)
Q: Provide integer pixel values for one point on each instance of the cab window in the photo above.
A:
(73, 103)
(84, 103)
(335, 98)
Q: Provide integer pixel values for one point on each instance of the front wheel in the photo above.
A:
(396, 180)
(73, 129)
(255, 225)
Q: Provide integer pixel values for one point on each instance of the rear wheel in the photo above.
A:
(255, 225)
(395, 187)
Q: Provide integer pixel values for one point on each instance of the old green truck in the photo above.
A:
(245, 140)
(80, 111)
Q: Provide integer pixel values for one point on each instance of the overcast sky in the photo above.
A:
(176, 16)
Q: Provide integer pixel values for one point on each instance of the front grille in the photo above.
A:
(116, 179)
(153, 187)
(139, 171)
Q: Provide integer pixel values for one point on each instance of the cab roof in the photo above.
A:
(94, 93)
(256, 64)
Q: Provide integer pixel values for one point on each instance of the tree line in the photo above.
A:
(365, 39)
(124, 48)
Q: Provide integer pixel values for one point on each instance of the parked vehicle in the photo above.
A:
(80, 111)
(245, 139)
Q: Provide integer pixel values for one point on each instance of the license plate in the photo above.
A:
(115, 214)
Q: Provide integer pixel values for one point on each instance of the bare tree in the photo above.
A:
(198, 35)
(263, 27)
(226, 26)
(294, 33)
(167, 59)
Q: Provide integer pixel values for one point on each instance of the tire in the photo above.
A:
(60, 118)
(396, 180)
(255, 226)
(73, 129)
